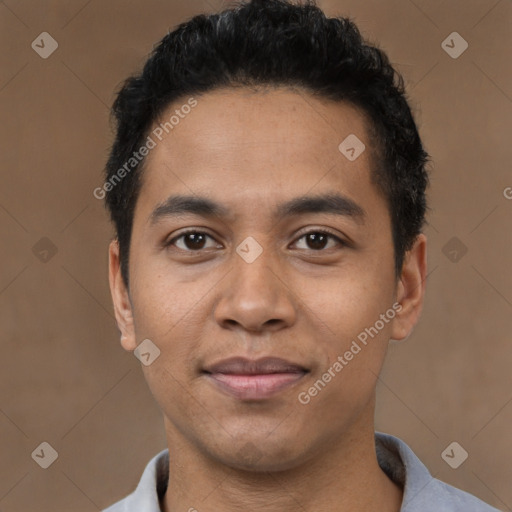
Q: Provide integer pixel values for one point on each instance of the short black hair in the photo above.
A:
(282, 44)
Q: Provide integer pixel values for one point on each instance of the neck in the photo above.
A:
(344, 477)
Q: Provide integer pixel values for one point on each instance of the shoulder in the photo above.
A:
(422, 492)
(439, 496)
(152, 485)
(120, 506)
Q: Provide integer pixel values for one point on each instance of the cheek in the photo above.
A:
(171, 314)
(347, 305)
(352, 339)
(160, 291)
(352, 351)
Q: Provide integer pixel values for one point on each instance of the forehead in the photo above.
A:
(245, 119)
(258, 146)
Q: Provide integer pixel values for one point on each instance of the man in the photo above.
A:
(267, 186)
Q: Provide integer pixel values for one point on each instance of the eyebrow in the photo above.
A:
(334, 204)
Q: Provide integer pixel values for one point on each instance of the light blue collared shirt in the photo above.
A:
(422, 492)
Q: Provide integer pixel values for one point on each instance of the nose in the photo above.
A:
(255, 296)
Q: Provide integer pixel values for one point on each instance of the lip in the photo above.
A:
(258, 379)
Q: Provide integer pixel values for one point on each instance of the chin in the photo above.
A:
(260, 455)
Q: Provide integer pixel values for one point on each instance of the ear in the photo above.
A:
(411, 289)
(121, 299)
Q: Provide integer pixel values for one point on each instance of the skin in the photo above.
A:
(251, 150)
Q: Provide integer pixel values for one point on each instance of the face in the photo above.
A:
(286, 287)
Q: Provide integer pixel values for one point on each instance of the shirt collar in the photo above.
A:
(395, 458)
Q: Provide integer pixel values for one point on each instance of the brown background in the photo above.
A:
(65, 379)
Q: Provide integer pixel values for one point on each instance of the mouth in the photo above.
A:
(259, 379)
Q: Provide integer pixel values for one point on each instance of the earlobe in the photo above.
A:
(411, 289)
(121, 300)
(126, 343)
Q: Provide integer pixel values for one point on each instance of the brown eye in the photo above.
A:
(192, 241)
(318, 240)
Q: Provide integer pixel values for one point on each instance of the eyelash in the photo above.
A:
(197, 232)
